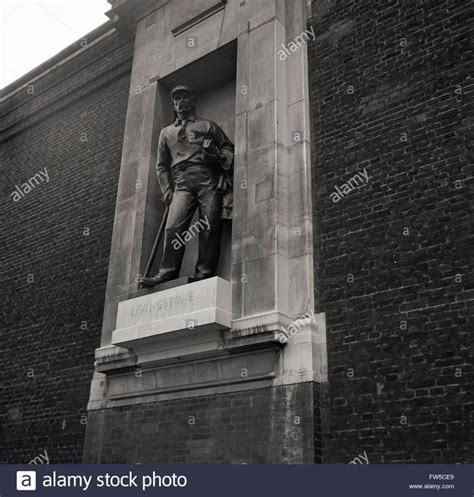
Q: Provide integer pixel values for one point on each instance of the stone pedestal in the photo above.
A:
(192, 308)
(245, 341)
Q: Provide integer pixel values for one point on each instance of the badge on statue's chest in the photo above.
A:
(196, 137)
(209, 145)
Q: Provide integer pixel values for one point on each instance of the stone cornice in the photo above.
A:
(90, 85)
(54, 88)
(60, 58)
(126, 13)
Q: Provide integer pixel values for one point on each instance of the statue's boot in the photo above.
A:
(155, 280)
(201, 277)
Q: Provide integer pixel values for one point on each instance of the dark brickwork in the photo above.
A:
(389, 92)
(267, 425)
(55, 246)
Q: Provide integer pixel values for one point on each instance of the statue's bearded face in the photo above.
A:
(183, 102)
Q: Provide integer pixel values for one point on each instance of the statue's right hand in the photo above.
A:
(167, 197)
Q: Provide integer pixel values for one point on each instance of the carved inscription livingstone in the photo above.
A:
(173, 304)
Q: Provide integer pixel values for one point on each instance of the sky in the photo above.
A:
(32, 31)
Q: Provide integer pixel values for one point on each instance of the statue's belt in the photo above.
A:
(186, 164)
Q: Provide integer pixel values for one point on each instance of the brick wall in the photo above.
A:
(55, 246)
(267, 425)
(389, 93)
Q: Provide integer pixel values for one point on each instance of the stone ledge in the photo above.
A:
(269, 322)
(111, 357)
(179, 347)
(219, 371)
(206, 319)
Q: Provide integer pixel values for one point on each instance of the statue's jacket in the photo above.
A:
(196, 141)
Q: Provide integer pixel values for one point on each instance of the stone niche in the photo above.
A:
(212, 77)
(257, 314)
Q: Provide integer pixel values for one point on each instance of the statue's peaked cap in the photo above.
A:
(181, 88)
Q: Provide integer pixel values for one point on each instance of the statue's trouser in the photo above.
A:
(195, 186)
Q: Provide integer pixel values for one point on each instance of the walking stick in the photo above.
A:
(155, 245)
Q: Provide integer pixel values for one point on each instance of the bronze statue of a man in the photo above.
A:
(194, 168)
